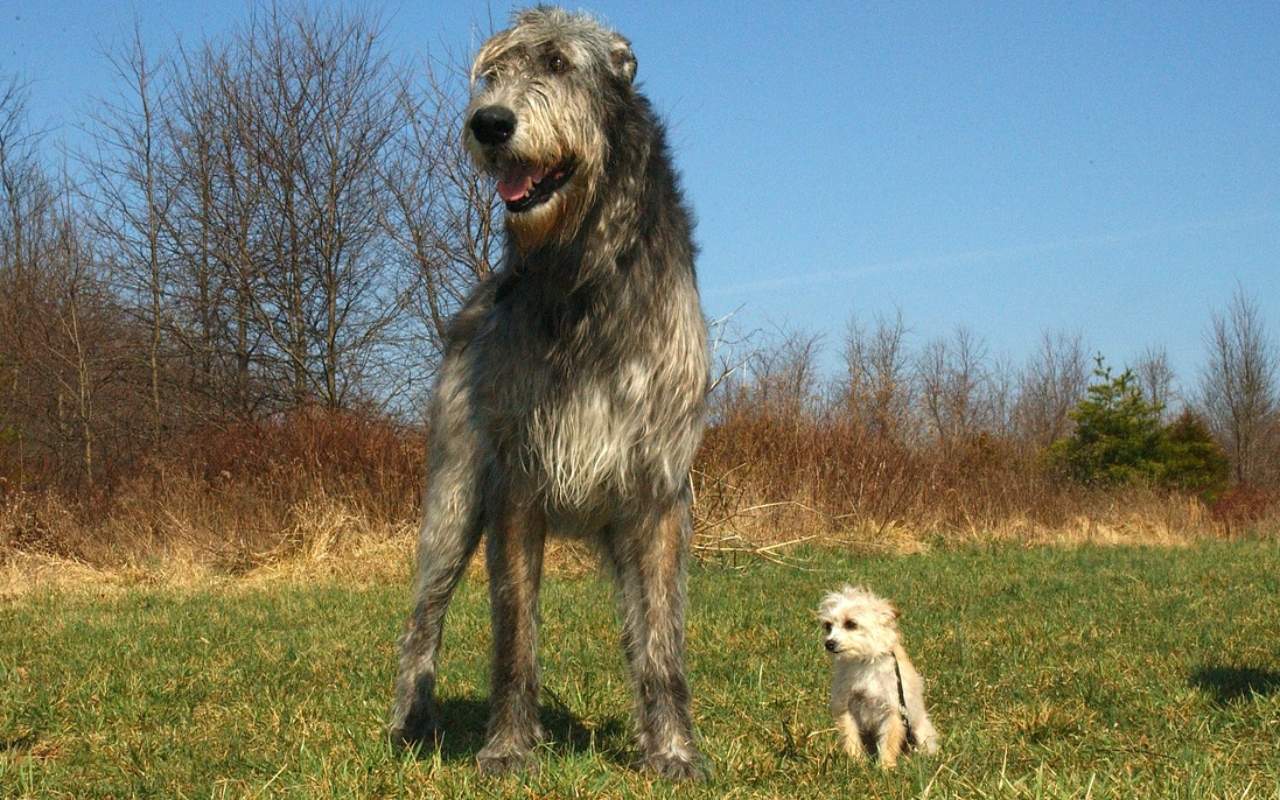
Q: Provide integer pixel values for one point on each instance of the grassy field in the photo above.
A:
(1089, 672)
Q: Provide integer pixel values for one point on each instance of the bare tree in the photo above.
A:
(1157, 378)
(131, 200)
(442, 215)
(1001, 396)
(216, 228)
(952, 377)
(25, 193)
(323, 117)
(879, 390)
(1238, 391)
(71, 269)
(27, 200)
(275, 218)
(1053, 381)
(203, 234)
(784, 375)
(774, 376)
(259, 207)
(66, 394)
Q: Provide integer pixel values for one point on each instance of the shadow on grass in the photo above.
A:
(18, 744)
(462, 725)
(1229, 684)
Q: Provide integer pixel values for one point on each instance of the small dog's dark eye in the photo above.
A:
(826, 626)
(556, 63)
(850, 624)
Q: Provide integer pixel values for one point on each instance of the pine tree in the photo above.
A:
(1117, 438)
(1193, 462)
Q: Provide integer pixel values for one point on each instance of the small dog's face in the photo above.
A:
(858, 624)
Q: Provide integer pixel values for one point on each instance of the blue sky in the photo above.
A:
(1111, 169)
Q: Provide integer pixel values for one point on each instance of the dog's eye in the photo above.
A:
(850, 624)
(826, 626)
(556, 64)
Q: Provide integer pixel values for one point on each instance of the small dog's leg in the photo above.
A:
(514, 560)
(850, 738)
(649, 562)
(890, 742)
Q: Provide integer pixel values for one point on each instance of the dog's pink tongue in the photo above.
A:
(518, 182)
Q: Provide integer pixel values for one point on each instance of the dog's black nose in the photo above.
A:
(493, 124)
(831, 645)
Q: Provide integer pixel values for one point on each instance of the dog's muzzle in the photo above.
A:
(831, 645)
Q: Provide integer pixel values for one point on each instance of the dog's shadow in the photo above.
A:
(462, 729)
(1233, 684)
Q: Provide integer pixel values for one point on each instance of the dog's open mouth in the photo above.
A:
(524, 186)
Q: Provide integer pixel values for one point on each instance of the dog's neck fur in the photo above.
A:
(597, 309)
(636, 174)
(865, 664)
(572, 292)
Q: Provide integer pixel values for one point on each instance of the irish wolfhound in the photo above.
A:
(571, 395)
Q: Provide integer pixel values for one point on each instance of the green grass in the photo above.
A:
(1051, 673)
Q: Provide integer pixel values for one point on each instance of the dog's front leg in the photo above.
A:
(451, 529)
(648, 558)
(514, 560)
(850, 738)
(891, 740)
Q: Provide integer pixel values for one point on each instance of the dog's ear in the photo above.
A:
(829, 602)
(622, 58)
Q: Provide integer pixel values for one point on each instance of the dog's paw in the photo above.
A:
(680, 767)
(856, 752)
(505, 760)
(419, 731)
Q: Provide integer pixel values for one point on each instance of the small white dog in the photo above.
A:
(877, 697)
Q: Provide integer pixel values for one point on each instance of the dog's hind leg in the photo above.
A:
(513, 556)
(648, 556)
(922, 730)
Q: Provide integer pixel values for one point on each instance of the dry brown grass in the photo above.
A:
(336, 496)
(768, 479)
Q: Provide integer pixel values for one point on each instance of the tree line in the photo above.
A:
(271, 220)
(1057, 410)
(281, 219)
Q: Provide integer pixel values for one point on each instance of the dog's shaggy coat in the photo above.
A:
(571, 395)
(877, 696)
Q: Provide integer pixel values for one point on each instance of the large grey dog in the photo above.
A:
(571, 396)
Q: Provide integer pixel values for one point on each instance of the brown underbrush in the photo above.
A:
(765, 480)
(338, 493)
